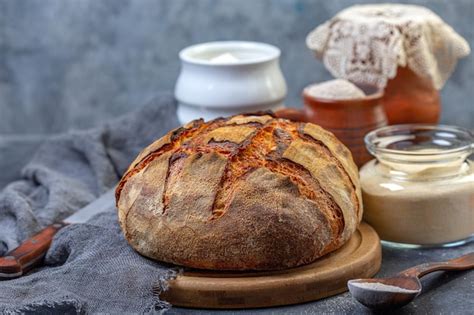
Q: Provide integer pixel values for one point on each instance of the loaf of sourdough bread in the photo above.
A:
(249, 192)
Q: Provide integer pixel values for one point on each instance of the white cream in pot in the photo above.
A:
(225, 58)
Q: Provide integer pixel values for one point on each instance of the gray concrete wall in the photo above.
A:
(71, 64)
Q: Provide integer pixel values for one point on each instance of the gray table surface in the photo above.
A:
(443, 292)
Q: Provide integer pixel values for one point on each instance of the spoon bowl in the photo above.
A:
(385, 293)
(397, 291)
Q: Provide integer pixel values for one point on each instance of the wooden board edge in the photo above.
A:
(366, 263)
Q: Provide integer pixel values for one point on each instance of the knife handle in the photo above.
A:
(30, 253)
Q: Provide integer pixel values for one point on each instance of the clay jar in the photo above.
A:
(350, 120)
(409, 98)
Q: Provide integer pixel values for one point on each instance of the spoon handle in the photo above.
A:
(461, 263)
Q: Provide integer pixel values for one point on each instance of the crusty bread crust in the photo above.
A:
(250, 192)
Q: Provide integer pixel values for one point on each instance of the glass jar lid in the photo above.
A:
(419, 139)
(415, 148)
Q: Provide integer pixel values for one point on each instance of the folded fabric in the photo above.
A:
(89, 268)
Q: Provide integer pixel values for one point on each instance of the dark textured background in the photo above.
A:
(72, 64)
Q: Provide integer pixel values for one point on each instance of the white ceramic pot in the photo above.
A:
(225, 78)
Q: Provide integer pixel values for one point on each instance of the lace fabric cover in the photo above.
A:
(367, 43)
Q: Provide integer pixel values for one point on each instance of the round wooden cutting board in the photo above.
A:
(360, 257)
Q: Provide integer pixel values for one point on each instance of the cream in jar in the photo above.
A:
(420, 188)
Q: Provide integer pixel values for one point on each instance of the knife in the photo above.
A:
(31, 252)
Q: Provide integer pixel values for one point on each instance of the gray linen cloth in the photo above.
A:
(89, 268)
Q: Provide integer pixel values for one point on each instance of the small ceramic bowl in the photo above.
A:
(227, 78)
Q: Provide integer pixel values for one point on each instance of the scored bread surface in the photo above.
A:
(249, 192)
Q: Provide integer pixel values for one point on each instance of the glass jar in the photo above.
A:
(419, 189)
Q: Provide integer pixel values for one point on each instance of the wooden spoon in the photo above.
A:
(400, 290)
